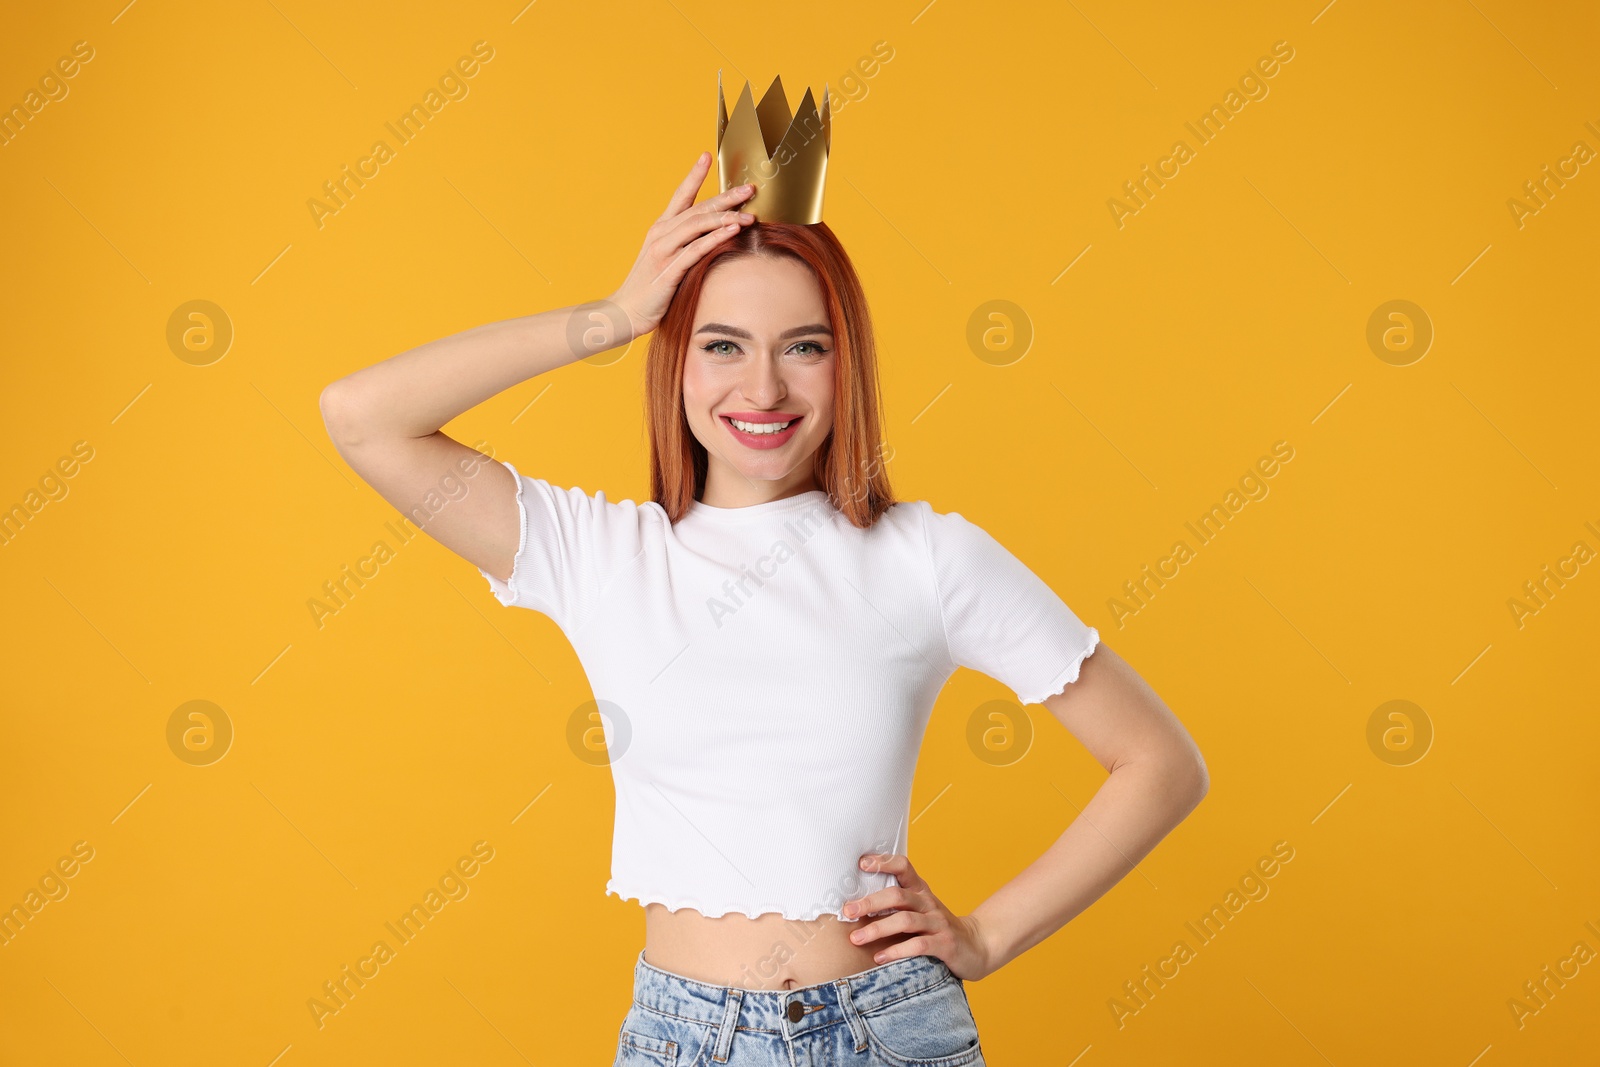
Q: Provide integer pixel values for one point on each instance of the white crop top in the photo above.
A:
(764, 676)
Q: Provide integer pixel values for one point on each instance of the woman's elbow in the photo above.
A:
(1189, 778)
(1183, 773)
(1200, 783)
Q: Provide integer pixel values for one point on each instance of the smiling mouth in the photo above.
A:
(760, 428)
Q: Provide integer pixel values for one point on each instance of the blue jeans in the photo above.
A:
(910, 1012)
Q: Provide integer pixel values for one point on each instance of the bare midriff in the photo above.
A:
(767, 952)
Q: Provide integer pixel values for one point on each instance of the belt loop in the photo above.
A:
(730, 1017)
(857, 1028)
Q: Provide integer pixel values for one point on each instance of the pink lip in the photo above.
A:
(766, 440)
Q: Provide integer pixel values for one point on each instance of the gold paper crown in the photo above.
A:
(785, 157)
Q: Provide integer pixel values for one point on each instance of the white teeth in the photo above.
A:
(760, 427)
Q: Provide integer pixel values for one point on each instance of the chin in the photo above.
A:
(766, 474)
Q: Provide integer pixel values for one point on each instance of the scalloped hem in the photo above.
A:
(1070, 674)
(506, 591)
(716, 911)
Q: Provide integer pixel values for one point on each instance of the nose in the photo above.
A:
(763, 383)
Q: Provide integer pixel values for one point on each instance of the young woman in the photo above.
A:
(766, 638)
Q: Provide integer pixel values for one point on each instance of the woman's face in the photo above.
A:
(760, 357)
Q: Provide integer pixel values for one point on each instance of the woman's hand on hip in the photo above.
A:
(677, 240)
(953, 938)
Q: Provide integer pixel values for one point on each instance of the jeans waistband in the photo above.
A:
(820, 1005)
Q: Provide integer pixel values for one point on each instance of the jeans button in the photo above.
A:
(796, 1009)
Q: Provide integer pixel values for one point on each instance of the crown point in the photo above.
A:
(776, 150)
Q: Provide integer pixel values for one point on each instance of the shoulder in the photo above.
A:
(926, 511)
(575, 502)
(951, 545)
(950, 529)
(902, 521)
(966, 555)
(571, 544)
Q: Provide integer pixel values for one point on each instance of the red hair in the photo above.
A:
(849, 463)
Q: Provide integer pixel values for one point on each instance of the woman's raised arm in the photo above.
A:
(385, 419)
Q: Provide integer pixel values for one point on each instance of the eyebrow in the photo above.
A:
(734, 331)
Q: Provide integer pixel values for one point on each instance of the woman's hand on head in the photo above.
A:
(914, 909)
(677, 240)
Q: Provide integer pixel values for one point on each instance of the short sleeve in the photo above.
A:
(999, 617)
(569, 544)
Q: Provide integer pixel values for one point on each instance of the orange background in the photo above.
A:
(1228, 313)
